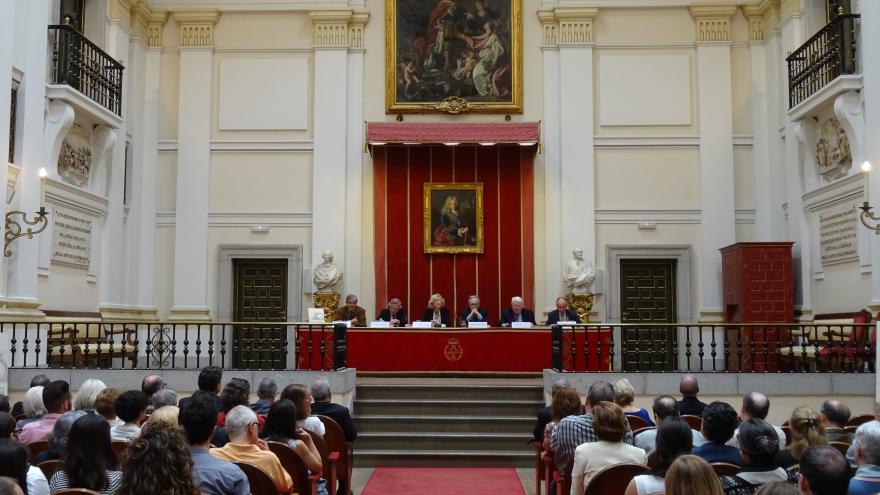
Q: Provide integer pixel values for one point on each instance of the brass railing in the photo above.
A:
(826, 55)
(85, 67)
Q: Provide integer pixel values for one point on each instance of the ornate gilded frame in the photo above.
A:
(453, 104)
(450, 187)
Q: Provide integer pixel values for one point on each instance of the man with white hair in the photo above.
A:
(162, 398)
(867, 452)
(266, 392)
(516, 313)
(246, 446)
(473, 312)
(321, 393)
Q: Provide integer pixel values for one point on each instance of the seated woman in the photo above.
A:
(436, 312)
(624, 395)
(58, 437)
(158, 462)
(692, 475)
(88, 458)
(758, 446)
(609, 424)
(281, 427)
(566, 402)
(674, 438)
(806, 431)
(302, 400)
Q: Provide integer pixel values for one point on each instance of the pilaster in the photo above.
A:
(354, 162)
(871, 148)
(7, 54)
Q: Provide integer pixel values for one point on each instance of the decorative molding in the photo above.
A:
(244, 219)
(356, 29)
(667, 217)
(762, 19)
(713, 22)
(833, 156)
(86, 108)
(550, 26)
(815, 105)
(103, 141)
(120, 11)
(331, 28)
(59, 118)
(575, 25)
(849, 108)
(155, 25)
(806, 132)
(196, 29)
(232, 145)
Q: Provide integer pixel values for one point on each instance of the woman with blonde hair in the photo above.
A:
(806, 430)
(436, 312)
(691, 475)
(624, 395)
(165, 414)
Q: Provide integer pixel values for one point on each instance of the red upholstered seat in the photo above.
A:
(856, 346)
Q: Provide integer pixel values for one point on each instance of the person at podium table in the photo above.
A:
(517, 313)
(351, 312)
(394, 314)
(436, 312)
(562, 313)
(473, 313)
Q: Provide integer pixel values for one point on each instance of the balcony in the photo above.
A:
(827, 55)
(82, 65)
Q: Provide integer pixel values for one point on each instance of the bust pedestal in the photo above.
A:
(328, 301)
(582, 304)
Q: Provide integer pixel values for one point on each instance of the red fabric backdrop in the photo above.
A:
(504, 270)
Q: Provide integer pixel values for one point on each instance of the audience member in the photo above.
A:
(566, 402)
(152, 384)
(689, 387)
(211, 475)
(105, 405)
(7, 427)
(162, 398)
(609, 423)
(281, 427)
(834, 416)
(719, 423)
(165, 414)
(576, 430)
(9, 486)
(209, 381)
(867, 453)
(756, 405)
(37, 381)
(158, 463)
(236, 393)
(624, 395)
(778, 488)
(823, 471)
(4, 403)
(320, 390)
(664, 407)
(85, 397)
(302, 399)
(89, 461)
(758, 445)
(32, 406)
(245, 446)
(56, 398)
(544, 412)
(806, 430)
(131, 408)
(673, 440)
(14, 464)
(266, 392)
(692, 475)
(58, 437)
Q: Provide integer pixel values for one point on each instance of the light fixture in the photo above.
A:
(527, 143)
(378, 143)
(866, 166)
(487, 144)
(410, 144)
(14, 228)
(452, 144)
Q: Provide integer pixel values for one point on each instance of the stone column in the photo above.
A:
(871, 72)
(7, 54)
(714, 87)
(196, 38)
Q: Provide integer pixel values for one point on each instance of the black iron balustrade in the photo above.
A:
(826, 55)
(85, 67)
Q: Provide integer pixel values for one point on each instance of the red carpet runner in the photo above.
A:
(443, 481)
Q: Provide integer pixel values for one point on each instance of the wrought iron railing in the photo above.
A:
(826, 55)
(84, 66)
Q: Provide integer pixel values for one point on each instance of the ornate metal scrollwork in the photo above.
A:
(14, 228)
(160, 346)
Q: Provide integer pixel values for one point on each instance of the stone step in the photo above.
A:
(421, 458)
(475, 408)
(444, 441)
(425, 424)
(459, 392)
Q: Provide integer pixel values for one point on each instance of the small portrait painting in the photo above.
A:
(454, 217)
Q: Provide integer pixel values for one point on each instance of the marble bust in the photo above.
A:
(579, 274)
(326, 274)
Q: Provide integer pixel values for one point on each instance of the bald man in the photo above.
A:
(690, 404)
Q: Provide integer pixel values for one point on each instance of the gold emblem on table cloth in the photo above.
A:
(453, 350)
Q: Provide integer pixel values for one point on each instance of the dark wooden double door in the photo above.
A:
(647, 295)
(260, 297)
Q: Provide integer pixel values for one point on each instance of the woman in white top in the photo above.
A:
(674, 438)
(609, 424)
(302, 399)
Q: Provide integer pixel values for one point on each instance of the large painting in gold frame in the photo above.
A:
(453, 56)
(453, 217)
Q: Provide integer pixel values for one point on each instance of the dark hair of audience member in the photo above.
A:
(665, 406)
(825, 469)
(692, 475)
(105, 403)
(758, 443)
(158, 463)
(209, 379)
(836, 412)
(236, 393)
(296, 394)
(600, 391)
(778, 488)
(130, 405)
(9, 486)
(7, 425)
(806, 430)
(199, 417)
(280, 422)
(566, 402)
(14, 462)
(4, 404)
(719, 422)
(55, 394)
(609, 422)
(88, 454)
(40, 381)
(674, 438)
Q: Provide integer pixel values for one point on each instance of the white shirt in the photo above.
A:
(125, 433)
(648, 484)
(592, 457)
(312, 423)
(37, 483)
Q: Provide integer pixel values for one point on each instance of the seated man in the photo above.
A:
(562, 313)
(834, 416)
(394, 314)
(56, 398)
(473, 312)
(867, 452)
(209, 381)
(719, 423)
(131, 407)
(266, 392)
(164, 397)
(351, 312)
(322, 405)
(516, 313)
(245, 446)
(823, 471)
(756, 405)
(664, 407)
(690, 403)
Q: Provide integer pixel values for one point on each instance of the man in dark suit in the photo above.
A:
(473, 312)
(545, 413)
(339, 413)
(690, 404)
(352, 312)
(562, 313)
(394, 314)
(209, 381)
(517, 313)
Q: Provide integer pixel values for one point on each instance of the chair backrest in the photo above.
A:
(261, 483)
(120, 448)
(787, 430)
(857, 336)
(642, 430)
(293, 464)
(636, 422)
(843, 447)
(334, 437)
(614, 479)
(325, 458)
(725, 468)
(77, 491)
(35, 448)
(50, 467)
(851, 429)
(653, 459)
(695, 422)
(860, 419)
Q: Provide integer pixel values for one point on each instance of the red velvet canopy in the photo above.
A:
(439, 133)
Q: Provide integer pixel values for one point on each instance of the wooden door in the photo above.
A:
(647, 295)
(260, 296)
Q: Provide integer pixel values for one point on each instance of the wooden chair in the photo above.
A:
(636, 422)
(843, 447)
(77, 491)
(261, 483)
(725, 468)
(330, 460)
(539, 466)
(334, 437)
(642, 430)
(303, 482)
(35, 448)
(614, 479)
(851, 429)
(120, 448)
(562, 479)
(50, 467)
(860, 420)
(695, 422)
(653, 459)
(20, 416)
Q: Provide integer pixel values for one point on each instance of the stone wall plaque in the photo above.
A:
(838, 238)
(71, 237)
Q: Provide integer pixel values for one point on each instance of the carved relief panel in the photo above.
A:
(75, 159)
(833, 156)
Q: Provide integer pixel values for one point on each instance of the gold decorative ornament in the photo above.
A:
(582, 304)
(328, 301)
(455, 105)
(453, 350)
